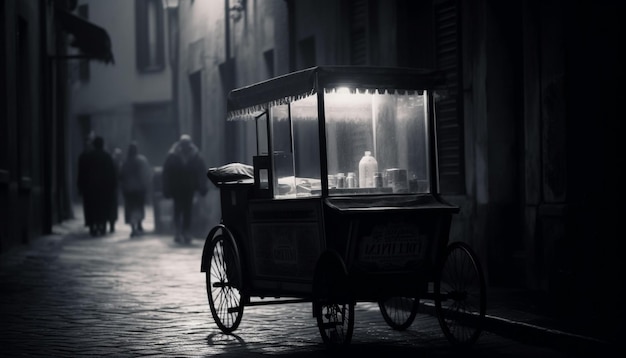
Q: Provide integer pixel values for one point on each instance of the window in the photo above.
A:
(268, 57)
(450, 127)
(195, 84)
(154, 129)
(431, 27)
(306, 52)
(24, 100)
(149, 35)
(4, 120)
(358, 32)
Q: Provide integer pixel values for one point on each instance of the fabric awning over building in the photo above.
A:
(92, 41)
(248, 100)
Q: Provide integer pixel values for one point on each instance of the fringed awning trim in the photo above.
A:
(249, 101)
(376, 91)
(252, 111)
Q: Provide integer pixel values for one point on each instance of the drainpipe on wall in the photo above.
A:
(226, 31)
(173, 39)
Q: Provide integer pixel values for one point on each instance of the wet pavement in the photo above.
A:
(69, 294)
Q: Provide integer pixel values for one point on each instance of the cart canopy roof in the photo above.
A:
(247, 101)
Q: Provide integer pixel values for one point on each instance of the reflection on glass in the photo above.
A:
(391, 126)
(296, 149)
(376, 141)
(261, 134)
(263, 179)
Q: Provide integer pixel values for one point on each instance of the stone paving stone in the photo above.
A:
(79, 296)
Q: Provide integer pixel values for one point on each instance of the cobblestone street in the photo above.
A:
(116, 296)
(69, 295)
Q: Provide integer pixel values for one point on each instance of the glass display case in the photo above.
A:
(339, 132)
(377, 138)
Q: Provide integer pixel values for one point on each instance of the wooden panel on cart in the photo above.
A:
(285, 242)
(234, 199)
(392, 240)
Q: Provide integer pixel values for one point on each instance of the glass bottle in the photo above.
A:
(367, 167)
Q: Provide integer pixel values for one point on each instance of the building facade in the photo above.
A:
(34, 133)
(528, 137)
(520, 137)
(132, 99)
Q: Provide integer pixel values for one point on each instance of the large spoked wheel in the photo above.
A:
(332, 305)
(399, 312)
(460, 292)
(223, 281)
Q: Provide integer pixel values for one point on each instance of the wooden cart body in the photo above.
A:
(386, 243)
(294, 228)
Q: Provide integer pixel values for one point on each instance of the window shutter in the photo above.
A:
(160, 33)
(149, 35)
(141, 27)
(449, 109)
(358, 32)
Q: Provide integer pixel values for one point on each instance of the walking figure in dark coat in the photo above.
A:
(97, 184)
(117, 156)
(184, 174)
(135, 178)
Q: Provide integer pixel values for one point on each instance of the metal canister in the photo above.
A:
(332, 181)
(341, 180)
(378, 180)
(351, 180)
(397, 180)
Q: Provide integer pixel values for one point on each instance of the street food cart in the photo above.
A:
(338, 203)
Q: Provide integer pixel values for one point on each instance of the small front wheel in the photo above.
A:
(332, 305)
(335, 322)
(399, 312)
(460, 295)
(224, 280)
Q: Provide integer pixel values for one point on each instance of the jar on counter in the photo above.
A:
(341, 180)
(351, 180)
(332, 181)
(378, 180)
(397, 180)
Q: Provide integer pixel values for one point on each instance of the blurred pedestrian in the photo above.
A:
(82, 163)
(184, 174)
(118, 159)
(97, 184)
(135, 178)
(117, 156)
